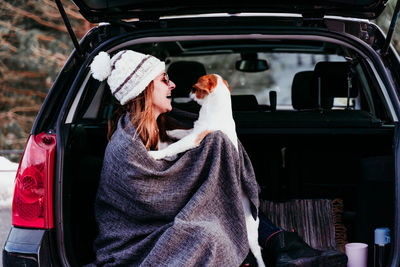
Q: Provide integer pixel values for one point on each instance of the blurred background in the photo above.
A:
(34, 44)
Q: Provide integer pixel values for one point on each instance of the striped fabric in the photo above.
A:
(313, 219)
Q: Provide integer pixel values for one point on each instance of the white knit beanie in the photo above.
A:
(128, 72)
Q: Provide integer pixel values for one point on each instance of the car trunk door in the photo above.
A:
(109, 10)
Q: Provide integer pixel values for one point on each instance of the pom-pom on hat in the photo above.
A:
(128, 72)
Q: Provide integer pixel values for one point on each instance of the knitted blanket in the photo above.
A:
(175, 212)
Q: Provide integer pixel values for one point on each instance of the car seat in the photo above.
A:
(185, 74)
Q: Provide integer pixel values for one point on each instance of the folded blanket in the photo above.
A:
(175, 212)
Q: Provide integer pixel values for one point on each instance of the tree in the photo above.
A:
(34, 45)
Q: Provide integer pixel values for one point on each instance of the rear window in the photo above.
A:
(278, 78)
(356, 89)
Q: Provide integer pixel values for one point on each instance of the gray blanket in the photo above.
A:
(177, 212)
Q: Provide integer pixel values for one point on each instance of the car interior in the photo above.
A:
(311, 115)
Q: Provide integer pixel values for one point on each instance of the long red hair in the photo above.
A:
(141, 114)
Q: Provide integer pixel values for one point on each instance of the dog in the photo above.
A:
(212, 92)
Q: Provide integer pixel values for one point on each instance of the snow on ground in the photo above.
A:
(8, 170)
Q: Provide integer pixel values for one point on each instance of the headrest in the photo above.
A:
(244, 102)
(184, 74)
(305, 92)
(334, 78)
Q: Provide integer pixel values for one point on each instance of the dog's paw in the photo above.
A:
(178, 133)
(156, 154)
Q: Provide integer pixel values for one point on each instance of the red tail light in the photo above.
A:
(33, 194)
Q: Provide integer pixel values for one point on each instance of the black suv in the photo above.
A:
(315, 96)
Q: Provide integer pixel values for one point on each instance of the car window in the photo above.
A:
(94, 107)
(279, 77)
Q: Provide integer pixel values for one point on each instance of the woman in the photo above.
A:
(177, 212)
(128, 74)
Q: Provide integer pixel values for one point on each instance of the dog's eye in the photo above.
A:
(193, 89)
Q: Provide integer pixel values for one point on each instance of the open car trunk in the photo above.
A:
(324, 145)
(354, 166)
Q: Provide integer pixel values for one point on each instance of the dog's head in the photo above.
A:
(206, 85)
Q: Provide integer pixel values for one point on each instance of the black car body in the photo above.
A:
(326, 129)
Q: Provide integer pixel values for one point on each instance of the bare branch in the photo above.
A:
(26, 92)
(36, 18)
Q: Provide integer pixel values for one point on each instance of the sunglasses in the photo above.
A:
(166, 79)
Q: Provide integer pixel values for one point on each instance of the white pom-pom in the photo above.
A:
(101, 66)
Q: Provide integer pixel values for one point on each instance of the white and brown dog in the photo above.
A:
(213, 94)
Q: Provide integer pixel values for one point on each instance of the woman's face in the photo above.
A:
(162, 94)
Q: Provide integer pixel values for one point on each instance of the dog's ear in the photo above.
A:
(212, 81)
(205, 85)
(226, 83)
